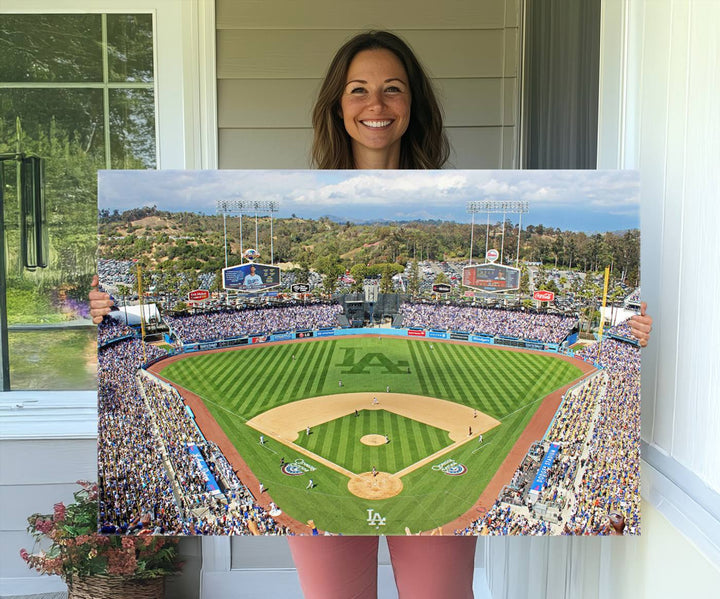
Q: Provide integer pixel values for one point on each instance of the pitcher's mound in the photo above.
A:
(373, 440)
(380, 486)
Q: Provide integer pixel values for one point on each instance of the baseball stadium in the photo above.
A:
(382, 400)
(304, 425)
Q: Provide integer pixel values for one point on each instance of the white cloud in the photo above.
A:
(373, 194)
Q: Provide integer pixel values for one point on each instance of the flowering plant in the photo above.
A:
(76, 549)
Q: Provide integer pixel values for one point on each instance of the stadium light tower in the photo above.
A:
(518, 207)
(248, 208)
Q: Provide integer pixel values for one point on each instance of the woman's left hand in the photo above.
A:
(641, 325)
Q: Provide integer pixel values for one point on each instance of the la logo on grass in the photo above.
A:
(374, 518)
(370, 360)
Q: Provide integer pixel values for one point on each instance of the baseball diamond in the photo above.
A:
(442, 396)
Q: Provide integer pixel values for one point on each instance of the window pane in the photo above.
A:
(132, 128)
(53, 121)
(50, 48)
(130, 48)
(65, 127)
(54, 359)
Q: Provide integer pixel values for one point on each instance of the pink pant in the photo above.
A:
(346, 567)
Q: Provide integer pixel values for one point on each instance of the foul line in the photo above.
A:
(483, 445)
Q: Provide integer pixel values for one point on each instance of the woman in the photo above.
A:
(377, 110)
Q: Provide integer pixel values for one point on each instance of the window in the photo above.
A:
(78, 90)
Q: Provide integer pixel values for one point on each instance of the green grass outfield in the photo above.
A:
(240, 384)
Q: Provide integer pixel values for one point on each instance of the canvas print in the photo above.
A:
(375, 352)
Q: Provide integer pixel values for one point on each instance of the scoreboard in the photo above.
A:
(491, 277)
(251, 277)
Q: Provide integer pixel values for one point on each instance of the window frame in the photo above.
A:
(184, 33)
(186, 138)
(184, 95)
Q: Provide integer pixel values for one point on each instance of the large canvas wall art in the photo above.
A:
(376, 352)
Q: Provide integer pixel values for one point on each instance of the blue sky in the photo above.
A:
(571, 200)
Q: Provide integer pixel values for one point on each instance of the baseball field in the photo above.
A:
(388, 429)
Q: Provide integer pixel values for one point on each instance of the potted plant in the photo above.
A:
(97, 566)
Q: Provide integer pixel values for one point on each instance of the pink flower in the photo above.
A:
(24, 555)
(53, 565)
(90, 488)
(128, 543)
(121, 562)
(44, 526)
(59, 512)
(82, 539)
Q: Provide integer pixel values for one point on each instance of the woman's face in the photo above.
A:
(375, 104)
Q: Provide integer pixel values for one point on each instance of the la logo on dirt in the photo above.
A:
(451, 468)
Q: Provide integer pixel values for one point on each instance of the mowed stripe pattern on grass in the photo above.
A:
(250, 381)
(409, 441)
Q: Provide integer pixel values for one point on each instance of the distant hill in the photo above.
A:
(180, 241)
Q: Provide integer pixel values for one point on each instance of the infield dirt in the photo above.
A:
(285, 423)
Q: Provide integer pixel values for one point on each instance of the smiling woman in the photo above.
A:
(377, 109)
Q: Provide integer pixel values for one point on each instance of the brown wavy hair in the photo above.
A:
(423, 146)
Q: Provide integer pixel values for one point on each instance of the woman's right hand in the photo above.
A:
(100, 302)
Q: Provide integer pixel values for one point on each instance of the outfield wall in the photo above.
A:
(394, 332)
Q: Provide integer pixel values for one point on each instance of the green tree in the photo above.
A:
(414, 282)
(524, 280)
(330, 268)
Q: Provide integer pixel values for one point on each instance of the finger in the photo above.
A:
(95, 282)
(101, 305)
(643, 307)
(640, 331)
(639, 322)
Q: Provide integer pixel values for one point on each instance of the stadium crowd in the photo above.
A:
(212, 326)
(621, 330)
(206, 512)
(596, 473)
(148, 481)
(132, 479)
(114, 273)
(548, 328)
(110, 330)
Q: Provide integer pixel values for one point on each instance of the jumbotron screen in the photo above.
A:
(251, 277)
(491, 277)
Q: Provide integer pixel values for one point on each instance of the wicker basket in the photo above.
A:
(116, 587)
